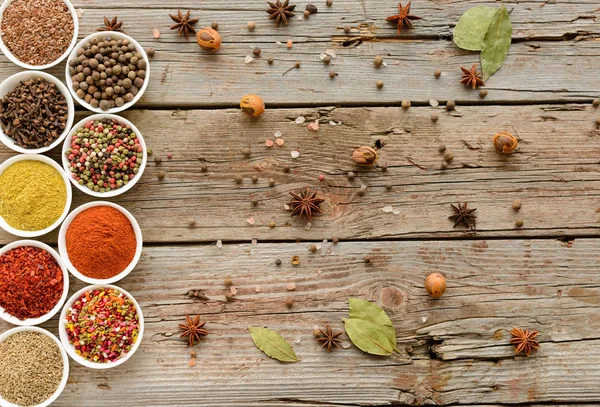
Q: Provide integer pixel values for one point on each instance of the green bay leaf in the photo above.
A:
(370, 312)
(273, 344)
(472, 26)
(368, 337)
(496, 42)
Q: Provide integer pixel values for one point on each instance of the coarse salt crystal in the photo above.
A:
(278, 134)
(257, 289)
(314, 126)
(156, 33)
(233, 290)
(331, 53)
(388, 209)
(308, 226)
(290, 286)
(219, 244)
(251, 221)
(434, 103)
(300, 120)
(254, 242)
(295, 154)
(248, 59)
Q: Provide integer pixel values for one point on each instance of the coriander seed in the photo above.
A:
(596, 102)
(297, 65)
(246, 152)
(254, 179)
(335, 240)
(254, 201)
(368, 259)
(157, 160)
(312, 248)
(434, 117)
(519, 223)
(270, 60)
(160, 176)
(347, 29)
(327, 59)
(449, 156)
(351, 176)
(379, 84)
(389, 186)
(378, 61)
(483, 93)
(238, 179)
(272, 224)
(329, 2)
(192, 223)
(271, 182)
(450, 105)
(362, 190)
(214, 25)
(443, 166)
(516, 205)
(442, 148)
(405, 104)
(227, 282)
(251, 26)
(384, 167)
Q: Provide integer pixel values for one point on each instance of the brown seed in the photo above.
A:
(204, 168)
(450, 105)
(437, 73)
(327, 60)
(193, 354)
(311, 8)
(289, 302)
(378, 61)
(251, 26)
(351, 176)
(254, 201)
(254, 179)
(227, 282)
(252, 105)
(379, 84)
(483, 93)
(295, 260)
(270, 60)
(434, 117)
(214, 25)
(312, 248)
(306, 13)
(278, 262)
(435, 284)
(246, 152)
(598, 122)
(405, 104)
(442, 148)
(332, 74)
(505, 143)
(368, 259)
(448, 156)
(272, 224)
(272, 182)
(596, 102)
(157, 160)
(192, 223)
(516, 205)
(238, 179)
(384, 167)
(256, 52)
(329, 3)
(150, 52)
(519, 223)
(286, 169)
(335, 240)
(161, 176)
(443, 166)
(347, 29)
(389, 186)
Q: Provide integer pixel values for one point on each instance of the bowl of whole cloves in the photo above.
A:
(36, 112)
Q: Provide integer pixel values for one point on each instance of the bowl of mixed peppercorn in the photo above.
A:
(36, 112)
(105, 155)
(101, 326)
(108, 72)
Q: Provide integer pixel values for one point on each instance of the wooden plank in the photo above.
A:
(183, 76)
(554, 173)
(453, 351)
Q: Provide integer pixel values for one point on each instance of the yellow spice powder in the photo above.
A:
(32, 195)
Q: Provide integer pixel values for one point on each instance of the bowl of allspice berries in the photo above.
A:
(108, 72)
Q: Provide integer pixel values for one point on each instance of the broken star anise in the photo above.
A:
(471, 77)
(305, 203)
(111, 25)
(524, 341)
(403, 18)
(463, 215)
(329, 339)
(193, 328)
(281, 11)
(185, 24)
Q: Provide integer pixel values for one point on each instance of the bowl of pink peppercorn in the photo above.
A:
(101, 326)
(104, 155)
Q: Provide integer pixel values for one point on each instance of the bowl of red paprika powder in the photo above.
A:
(96, 309)
(34, 282)
(100, 242)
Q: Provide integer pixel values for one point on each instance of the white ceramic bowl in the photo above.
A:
(64, 337)
(10, 83)
(10, 56)
(62, 243)
(114, 192)
(36, 321)
(44, 159)
(118, 36)
(65, 376)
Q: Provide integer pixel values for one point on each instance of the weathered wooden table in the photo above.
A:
(455, 350)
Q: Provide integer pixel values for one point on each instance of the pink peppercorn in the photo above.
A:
(321, 177)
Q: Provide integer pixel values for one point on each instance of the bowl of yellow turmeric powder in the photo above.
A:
(35, 195)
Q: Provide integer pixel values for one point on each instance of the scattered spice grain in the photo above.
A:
(378, 61)
(328, 3)
(450, 105)
(516, 205)
(214, 25)
(347, 29)
(449, 156)
(31, 282)
(251, 25)
(437, 73)
(434, 117)
(596, 102)
(405, 104)
(37, 32)
(379, 84)
(311, 8)
(519, 223)
(31, 368)
(101, 242)
(483, 93)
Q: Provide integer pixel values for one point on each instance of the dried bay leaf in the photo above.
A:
(472, 26)
(370, 328)
(273, 344)
(496, 43)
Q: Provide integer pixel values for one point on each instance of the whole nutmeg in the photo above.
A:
(209, 39)
(365, 155)
(505, 143)
(252, 105)
(435, 284)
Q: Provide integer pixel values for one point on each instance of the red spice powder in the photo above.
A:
(101, 242)
(31, 282)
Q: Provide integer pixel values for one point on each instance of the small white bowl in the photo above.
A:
(10, 83)
(36, 321)
(100, 36)
(114, 192)
(65, 358)
(62, 243)
(14, 59)
(49, 161)
(64, 337)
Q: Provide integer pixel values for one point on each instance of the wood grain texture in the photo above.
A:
(544, 68)
(453, 350)
(554, 173)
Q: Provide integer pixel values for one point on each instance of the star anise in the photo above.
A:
(403, 18)
(305, 203)
(471, 77)
(193, 329)
(185, 24)
(329, 338)
(111, 25)
(463, 215)
(524, 341)
(281, 12)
